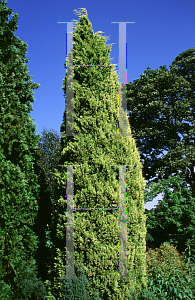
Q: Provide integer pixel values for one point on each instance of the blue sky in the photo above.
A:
(161, 31)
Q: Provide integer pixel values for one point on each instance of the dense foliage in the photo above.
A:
(18, 144)
(32, 226)
(170, 275)
(161, 108)
(96, 182)
(173, 219)
(47, 158)
(161, 113)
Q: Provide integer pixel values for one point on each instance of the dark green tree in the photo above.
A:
(158, 106)
(161, 113)
(173, 220)
(47, 158)
(76, 289)
(184, 66)
(96, 182)
(29, 287)
(18, 143)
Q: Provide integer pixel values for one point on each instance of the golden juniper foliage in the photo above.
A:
(96, 182)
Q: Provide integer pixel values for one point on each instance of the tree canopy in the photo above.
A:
(161, 113)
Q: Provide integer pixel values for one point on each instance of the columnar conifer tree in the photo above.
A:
(96, 182)
(18, 143)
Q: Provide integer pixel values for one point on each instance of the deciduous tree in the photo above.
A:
(161, 113)
(173, 220)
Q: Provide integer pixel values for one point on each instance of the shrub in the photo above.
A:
(169, 276)
(29, 287)
(144, 294)
(76, 289)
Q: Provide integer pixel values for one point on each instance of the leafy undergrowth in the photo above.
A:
(169, 275)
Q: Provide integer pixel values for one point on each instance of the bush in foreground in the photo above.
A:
(169, 275)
